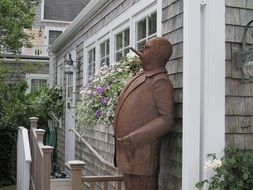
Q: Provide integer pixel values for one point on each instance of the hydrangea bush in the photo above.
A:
(99, 97)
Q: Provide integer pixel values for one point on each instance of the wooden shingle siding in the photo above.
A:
(171, 150)
(239, 96)
(100, 138)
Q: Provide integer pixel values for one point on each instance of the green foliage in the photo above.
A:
(15, 17)
(8, 138)
(45, 101)
(15, 109)
(236, 171)
(11, 74)
(17, 106)
(13, 103)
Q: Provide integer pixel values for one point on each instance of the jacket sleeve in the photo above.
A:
(162, 91)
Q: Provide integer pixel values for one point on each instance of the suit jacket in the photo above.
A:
(144, 113)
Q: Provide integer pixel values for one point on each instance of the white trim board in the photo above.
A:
(92, 9)
(203, 87)
(127, 19)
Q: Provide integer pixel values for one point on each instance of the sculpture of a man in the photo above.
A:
(143, 114)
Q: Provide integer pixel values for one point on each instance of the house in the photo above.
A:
(52, 18)
(213, 106)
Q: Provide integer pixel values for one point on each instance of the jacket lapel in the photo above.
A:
(132, 86)
(134, 83)
(126, 91)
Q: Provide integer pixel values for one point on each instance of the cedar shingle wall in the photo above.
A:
(171, 152)
(239, 97)
(100, 138)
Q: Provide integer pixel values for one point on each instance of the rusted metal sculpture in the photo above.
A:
(143, 114)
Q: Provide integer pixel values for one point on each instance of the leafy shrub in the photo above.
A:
(13, 102)
(235, 172)
(45, 101)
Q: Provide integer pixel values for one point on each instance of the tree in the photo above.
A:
(16, 16)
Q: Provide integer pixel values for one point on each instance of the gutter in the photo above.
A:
(91, 9)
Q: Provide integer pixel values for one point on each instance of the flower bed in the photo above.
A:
(99, 97)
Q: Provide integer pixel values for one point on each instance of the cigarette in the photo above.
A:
(135, 51)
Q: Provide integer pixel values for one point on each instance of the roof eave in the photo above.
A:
(91, 8)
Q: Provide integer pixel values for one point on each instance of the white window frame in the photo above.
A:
(86, 62)
(30, 76)
(99, 42)
(125, 20)
(60, 73)
(115, 32)
(50, 28)
(137, 18)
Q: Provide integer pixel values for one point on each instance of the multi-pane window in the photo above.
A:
(105, 53)
(122, 44)
(53, 35)
(37, 83)
(91, 62)
(146, 29)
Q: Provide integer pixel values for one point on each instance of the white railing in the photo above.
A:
(23, 159)
(41, 158)
(36, 50)
(94, 152)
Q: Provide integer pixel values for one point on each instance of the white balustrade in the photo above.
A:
(23, 159)
(36, 50)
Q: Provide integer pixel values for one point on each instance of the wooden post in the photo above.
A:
(76, 167)
(40, 134)
(33, 147)
(47, 151)
(39, 163)
(33, 121)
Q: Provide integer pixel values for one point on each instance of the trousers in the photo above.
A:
(140, 182)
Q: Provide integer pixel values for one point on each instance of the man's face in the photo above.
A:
(148, 52)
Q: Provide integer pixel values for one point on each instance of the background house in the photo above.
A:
(213, 107)
(52, 18)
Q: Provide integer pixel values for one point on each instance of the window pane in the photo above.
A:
(152, 24)
(107, 47)
(118, 41)
(126, 51)
(90, 56)
(53, 35)
(118, 56)
(107, 61)
(91, 62)
(141, 29)
(105, 52)
(102, 49)
(37, 83)
(126, 38)
(140, 45)
(102, 61)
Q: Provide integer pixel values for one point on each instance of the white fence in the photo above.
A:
(23, 159)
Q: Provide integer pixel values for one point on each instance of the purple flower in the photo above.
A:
(100, 90)
(98, 113)
(90, 93)
(104, 101)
